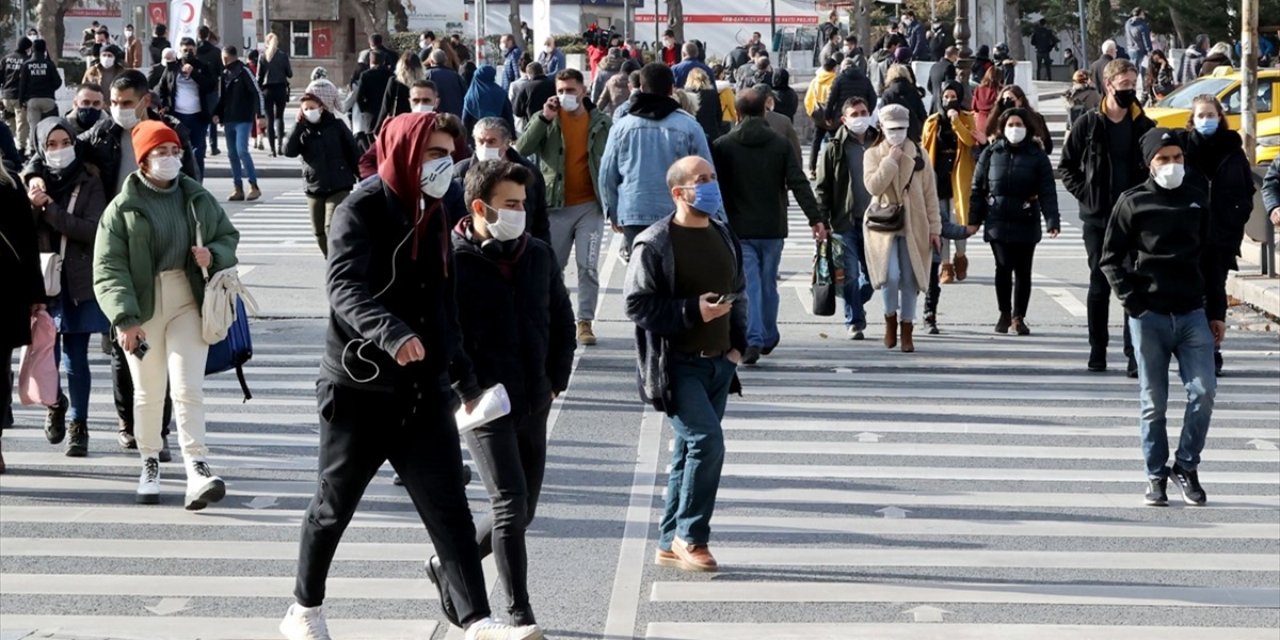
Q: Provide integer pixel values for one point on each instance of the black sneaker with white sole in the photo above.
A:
(203, 488)
(1157, 495)
(1189, 482)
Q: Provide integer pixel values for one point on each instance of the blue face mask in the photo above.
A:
(1207, 127)
(706, 197)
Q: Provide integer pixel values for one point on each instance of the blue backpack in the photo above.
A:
(234, 351)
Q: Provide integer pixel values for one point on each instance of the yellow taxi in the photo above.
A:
(1175, 109)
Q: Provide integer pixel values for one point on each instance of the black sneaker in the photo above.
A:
(1217, 363)
(1097, 360)
(931, 322)
(78, 443)
(1131, 369)
(165, 454)
(1156, 494)
(436, 573)
(1189, 482)
(752, 356)
(1002, 324)
(769, 349)
(55, 422)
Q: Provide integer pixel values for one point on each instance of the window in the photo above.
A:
(1265, 96)
(294, 36)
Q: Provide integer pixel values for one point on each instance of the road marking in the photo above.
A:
(206, 549)
(624, 602)
(729, 494)
(837, 631)
(210, 586)
(866, 407)
(834, 472)
(874, 526)
(209, 628)
(982, 558)
(971, 451)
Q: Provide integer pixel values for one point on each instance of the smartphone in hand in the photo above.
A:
(726, 298)
(141, 350)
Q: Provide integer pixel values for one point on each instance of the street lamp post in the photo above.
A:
(962, 35)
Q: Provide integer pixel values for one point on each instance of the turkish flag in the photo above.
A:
(159, 12)
(322, 37)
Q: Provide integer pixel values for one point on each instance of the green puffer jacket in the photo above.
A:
(544, 139)
(123, 263)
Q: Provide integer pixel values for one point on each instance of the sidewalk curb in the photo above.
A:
(264, 172)
(1258, 291)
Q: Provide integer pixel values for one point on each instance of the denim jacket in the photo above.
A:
(642, 146)
(659, 315)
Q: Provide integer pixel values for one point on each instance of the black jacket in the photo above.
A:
(1220, 158)
(276, 71)
(241, 100)
(1086, 165)
(848, 84)
(756, 168)
(39, 79)
(330, 158)
(11, 74)
(518, 326)
(1044, 40)
(738, 57)
(942, 71)
(80, 226)
(20, 264)
(1157, 254)
(100, 146)
(372, 88)
(1013, 187)
(903, 92)
(651, 304)
(395, 101)
(206, 83)
(157, 47)
(839, 205)
(532, 95)
(708, 112)
(1095, 71)
(450, 90)
(211, 56)
(380, 298)
(535, 204)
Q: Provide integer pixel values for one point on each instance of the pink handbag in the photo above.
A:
(37, 370)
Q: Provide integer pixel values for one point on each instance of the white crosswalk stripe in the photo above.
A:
(279, 227)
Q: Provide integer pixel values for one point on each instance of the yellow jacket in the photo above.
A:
(819, 89)
(965, 127)
(727, 108)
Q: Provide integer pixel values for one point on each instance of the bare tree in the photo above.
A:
(51, 21)
(862, 22)
(1013, 29)
(675, 18)
(513, 18)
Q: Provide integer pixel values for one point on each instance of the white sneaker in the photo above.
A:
(149, 482)
(487, 629)
(304, 623)
(203, 488)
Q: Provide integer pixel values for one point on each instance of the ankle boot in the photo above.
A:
(891, 331)
(77, 439)
(907, 345)
(962, 267)
(946, 274)
(254, 192)
(237, 195)
(1002, 325)
(1019, 326)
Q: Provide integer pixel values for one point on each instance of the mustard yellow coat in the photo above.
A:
(965, 127)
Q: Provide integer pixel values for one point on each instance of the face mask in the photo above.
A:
(423, 44)
(127, 118)
(858, 125)
(1126, 97)
(488, 153)
(164, 169)
(128, 33)
(312, 115)
(424, 108)
(436, 176)
(107, 61)
(706, 197)
(549, 48)
(88, 115)
(1170, 176)
(1015, 135)
(1206, 126)
(896, 137)
(1008, 103)
(951, 104)
(569, 101)
(508, 226)
(669, 43)
(59, 159)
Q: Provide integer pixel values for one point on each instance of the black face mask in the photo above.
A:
(951, 104)
(1126, 97)
(88, 115)
(1008, 103)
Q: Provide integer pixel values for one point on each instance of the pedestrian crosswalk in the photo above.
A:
(278, 227)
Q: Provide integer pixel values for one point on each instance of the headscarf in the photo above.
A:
(484, 98)
(401, 143)
(61, 180)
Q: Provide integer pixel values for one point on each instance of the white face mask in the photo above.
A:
(569, 102)
(128, 33)
(59, 159)
(508, 226)
(107, 61)
(1170, 176)
(488, 153)
(436, 176)
(424, 108)
(423, 44)
(312, 115)
(165, 168)
(127, 118)
(549, 48)
(1015, 134)
(858, 125)
(896, 136)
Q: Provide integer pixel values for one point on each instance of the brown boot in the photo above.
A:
(236, 196)
(254, 193)
(891, 331)
(947, 274)
(962, 267)
(907, 345)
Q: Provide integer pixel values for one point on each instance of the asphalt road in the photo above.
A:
(984, 487)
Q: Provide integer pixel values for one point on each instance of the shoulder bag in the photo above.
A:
(51, 263)
(888, 216)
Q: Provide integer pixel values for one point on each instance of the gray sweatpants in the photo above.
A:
(579, 228)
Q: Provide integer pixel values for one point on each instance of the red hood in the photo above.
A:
(401, 143)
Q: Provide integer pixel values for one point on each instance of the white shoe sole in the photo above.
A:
(148, 498)
(211, 492)
(294, 632)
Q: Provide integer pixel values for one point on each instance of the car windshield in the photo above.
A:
(1181, 99)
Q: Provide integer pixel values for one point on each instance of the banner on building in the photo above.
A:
(184, 18)
(159, 12)
(323, 39)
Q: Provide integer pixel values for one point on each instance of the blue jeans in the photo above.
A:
(900, 283)
(857, 289)
(196, 124)
(1157, 337)
(72, 349)
(760, 262)
(699, 389)
(238, 152)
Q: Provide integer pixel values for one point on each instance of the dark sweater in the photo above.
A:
(756, 167)
(704, 264)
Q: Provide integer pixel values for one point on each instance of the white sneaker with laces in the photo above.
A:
(203, 488)
(149, 482)
(304, 623)
(487, 629)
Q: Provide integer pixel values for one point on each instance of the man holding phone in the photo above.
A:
(684, 291)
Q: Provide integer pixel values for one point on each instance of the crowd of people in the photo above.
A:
(456, 175)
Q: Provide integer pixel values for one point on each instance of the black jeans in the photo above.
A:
(934, 293)
(511, 456)
(6, 403)
(1013, 265)
(819, 135)
(361, 429)
(1099, 299)
(1044, 63)
(122, 386)
(629, 233)
(274, 99)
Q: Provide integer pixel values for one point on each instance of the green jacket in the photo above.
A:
(545, 139)
(838, 204)
(123, 262)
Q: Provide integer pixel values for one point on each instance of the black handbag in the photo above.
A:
(826, 279)
(887, 216)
